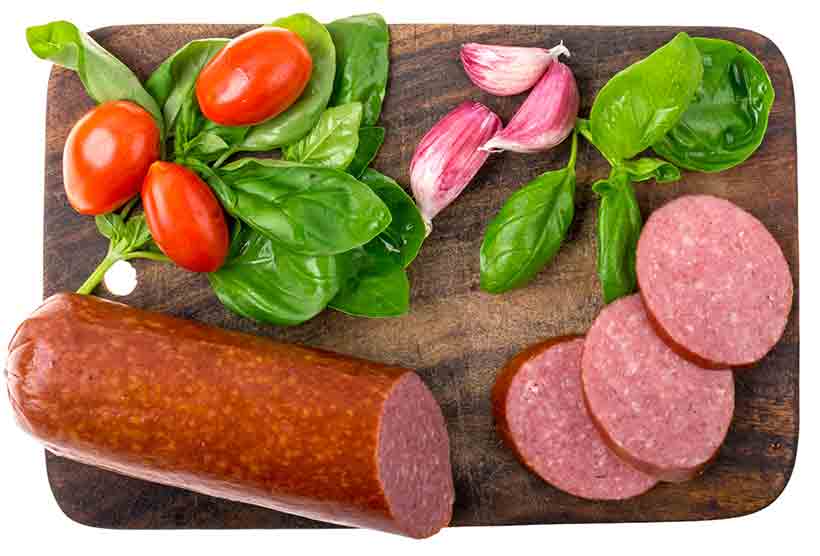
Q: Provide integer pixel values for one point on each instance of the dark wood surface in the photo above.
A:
(457, 336)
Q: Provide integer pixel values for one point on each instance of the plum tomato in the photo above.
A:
(107, 155)
(185, 218)
(256, 76)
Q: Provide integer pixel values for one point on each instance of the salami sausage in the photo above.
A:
(656, 410)
(540, 413)
(295, 429)
(714, 281)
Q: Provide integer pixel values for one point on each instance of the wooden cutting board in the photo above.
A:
(456, 335)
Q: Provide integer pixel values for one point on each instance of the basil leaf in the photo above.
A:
(647, 168)
(529, 229)
(370, 141)
(362, 63)
(104, 76)
(380, 294)
(728, 118)
(197, 137)
(640, 104)
(174, 80)
(582, 127)
(334, 140)
(307, 209)
(265, 282)
(619, 226)
(295, 122)
(137, 233)
(110, 225)
(402, 239)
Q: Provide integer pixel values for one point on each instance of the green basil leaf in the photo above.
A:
(619, 226)
(307, 209)
(332, 143)
(648, 168)
(640, 104)
(529, 229)
(197, 137)
(268, 283)
(728, 118)
(137, 233)
(295, 122)
(380, 294)
(362, 63)
(110, 225)
(205, 145)
(174, 80)
(402, 239)
(371, 139)
(104, 76)
(583, 129)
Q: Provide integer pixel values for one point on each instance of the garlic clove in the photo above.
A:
(449, 156)
(507, 70)
(546, 117)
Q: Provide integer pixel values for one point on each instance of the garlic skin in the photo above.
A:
(546, 117)
(449, 156)
(507, 70)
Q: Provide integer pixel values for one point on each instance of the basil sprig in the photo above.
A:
(129, 239)
(618, 228)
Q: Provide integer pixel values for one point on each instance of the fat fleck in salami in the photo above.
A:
(658, 411)
(295, 429)
(540, 413)
(714, 281)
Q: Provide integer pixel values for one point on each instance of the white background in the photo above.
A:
(29, 517)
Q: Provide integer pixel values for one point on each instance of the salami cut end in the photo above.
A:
(663, 414)
(714, 281)
(540, 413)
(414, 459)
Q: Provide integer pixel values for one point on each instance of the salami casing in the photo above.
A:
(290, 428)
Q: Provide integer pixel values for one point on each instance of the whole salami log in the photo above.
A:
(656, 410)
(290, 428)
(540, 413)
(714, 281)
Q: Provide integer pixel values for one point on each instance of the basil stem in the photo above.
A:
(130, 239)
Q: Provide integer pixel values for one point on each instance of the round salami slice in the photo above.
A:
(714, 281)
(658, 411)
(540, 413)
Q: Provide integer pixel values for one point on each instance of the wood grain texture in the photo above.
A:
(457, 336)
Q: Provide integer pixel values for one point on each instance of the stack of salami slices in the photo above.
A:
(648, 394)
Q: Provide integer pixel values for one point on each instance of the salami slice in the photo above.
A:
(658, 411)
(714, 281)
(541, 415)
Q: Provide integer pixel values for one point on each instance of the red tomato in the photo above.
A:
(107, 155)
(184, 217)
(255, 77)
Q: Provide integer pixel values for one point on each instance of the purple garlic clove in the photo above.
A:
(507, 70)
(449, 156)
(546, 117)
